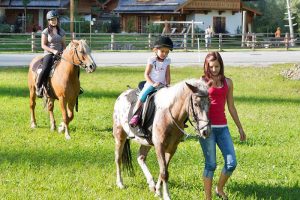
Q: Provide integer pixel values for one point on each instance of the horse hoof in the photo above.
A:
(120, 186)
(52, 128)
(33, 125)
(60, 129)
(68, 137)
(157, 194)
(152, 188)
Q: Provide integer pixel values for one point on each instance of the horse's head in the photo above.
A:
(82, 55)
(199, 106)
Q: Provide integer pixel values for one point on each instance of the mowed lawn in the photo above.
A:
(39, 164)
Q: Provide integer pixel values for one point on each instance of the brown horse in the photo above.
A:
(173, 106)
(64, 82)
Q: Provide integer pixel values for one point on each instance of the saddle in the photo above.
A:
(144, 128)
(37, 67)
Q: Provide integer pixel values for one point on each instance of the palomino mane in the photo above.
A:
(168, 96)
(83, 47)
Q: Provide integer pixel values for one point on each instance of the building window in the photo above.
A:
(219, 24)
(142, 24)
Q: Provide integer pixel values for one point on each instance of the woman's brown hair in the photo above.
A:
(212, 56)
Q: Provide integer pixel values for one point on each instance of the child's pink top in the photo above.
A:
(218, 98)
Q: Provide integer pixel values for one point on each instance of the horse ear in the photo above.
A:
(191, 87)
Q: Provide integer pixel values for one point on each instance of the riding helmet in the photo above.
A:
(52, 14)
(163, 41)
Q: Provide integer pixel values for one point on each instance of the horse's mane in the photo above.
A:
(168, 96)
(81, 43)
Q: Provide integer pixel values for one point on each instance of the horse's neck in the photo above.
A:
(179, 108)
(66, 66)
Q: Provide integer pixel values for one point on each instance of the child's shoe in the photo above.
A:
(134, 121)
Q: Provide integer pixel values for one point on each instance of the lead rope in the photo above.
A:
(182, 131)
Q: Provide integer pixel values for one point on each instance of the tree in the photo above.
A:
(25, 3)
(273, 14)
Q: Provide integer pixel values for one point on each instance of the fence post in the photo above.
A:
(185, 42)
(73, 36)
(287, 41)
(149, 40)
(112, 41)
(253, 41)
(33, 42)
(220, 41)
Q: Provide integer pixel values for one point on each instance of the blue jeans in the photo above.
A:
(147, 89)
(222, 138)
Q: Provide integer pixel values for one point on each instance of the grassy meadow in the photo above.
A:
(39, 164)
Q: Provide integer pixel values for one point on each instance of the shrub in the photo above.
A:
(4, 28)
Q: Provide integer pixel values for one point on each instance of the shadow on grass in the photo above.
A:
(259, 191)
(24, 92)
(265, 100)
(58, 157)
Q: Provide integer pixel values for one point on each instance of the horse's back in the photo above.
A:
(35, 62)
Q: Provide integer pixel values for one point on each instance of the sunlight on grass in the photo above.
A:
(39, 164)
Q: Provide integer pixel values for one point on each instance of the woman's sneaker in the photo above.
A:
(134, 121)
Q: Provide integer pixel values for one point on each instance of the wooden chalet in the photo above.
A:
(225, 16)
(14, 11)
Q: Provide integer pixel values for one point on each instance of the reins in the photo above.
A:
(79, 65)
(195, 118)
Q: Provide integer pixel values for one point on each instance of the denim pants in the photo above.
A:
(145, 91)
(222, 138)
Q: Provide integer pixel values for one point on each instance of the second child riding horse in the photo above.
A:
(64, 83)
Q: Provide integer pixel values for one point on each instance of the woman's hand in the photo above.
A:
(242, 135)
(55, 52)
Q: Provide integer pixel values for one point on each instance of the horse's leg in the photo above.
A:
(120, 139)
(64, 124)
(163, 171)
(70, 109)
(32, 106)
(142, 155)
(168, 157)
(50, 109)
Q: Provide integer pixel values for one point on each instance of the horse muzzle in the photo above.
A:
(205, 131)
(89, 68)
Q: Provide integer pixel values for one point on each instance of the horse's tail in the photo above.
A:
(127, 159)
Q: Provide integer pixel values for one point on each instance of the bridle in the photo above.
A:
(195, 118)
(81, 63)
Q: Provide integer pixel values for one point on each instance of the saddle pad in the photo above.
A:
(143, 129)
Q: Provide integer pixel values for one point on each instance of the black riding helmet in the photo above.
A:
(52, 14)
(163, 41)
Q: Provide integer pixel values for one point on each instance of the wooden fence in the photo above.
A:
(131, 42)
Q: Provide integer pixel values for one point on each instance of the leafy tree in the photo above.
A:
(25, 3)
(273, 15)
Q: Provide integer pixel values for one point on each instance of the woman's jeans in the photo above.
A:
(222, 138)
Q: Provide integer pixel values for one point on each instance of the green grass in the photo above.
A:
(39, 164)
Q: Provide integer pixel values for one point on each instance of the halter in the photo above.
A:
(81, 64)
(195, 118)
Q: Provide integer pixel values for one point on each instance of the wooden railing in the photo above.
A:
(132, 42)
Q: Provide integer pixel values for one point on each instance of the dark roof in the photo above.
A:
(136, 6)
(33, 4)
